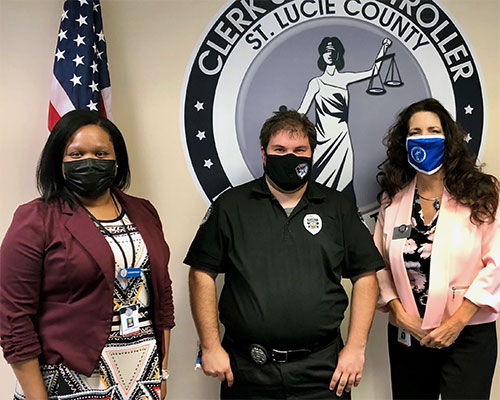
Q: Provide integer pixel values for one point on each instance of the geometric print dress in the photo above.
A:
(129, 366)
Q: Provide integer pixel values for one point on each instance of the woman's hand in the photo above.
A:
(412, 324)
(163, 389)
(386, 42)
(30, 378)
(446, 334)
(399, 317)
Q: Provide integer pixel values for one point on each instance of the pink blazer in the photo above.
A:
(465, 261)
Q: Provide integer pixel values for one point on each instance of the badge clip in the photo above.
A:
(129, 320)
(404, 337)
(401, 232)
(129, 272)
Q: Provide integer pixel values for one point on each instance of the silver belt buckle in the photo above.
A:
(258, 354)
(279, 356)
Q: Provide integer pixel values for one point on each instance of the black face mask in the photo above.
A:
(89, 177)
(288, 172)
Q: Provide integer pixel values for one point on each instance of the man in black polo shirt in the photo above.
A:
(283, 242)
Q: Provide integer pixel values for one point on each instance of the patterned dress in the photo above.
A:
(129, 365)
(417, 254)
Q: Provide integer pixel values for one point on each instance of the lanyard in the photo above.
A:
(108, 233)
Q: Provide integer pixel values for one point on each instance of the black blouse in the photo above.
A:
(417, 254)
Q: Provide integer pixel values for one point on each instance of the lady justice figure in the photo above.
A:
(333, 158)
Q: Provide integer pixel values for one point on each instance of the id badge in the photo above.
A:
(129, 320)
(404, 337)
(401, 232)
(129, 272)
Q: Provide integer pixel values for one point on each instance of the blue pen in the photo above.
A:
(198, 358)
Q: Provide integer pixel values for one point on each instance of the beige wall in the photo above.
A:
(149, 45)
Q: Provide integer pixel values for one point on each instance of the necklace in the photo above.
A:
(435, 200)
(109, 234)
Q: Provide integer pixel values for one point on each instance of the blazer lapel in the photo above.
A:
(144, 225)
(440, 261)
(397, 214)
(83, 229)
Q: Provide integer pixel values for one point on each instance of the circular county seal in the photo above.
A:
(418, 154)
(257, 57)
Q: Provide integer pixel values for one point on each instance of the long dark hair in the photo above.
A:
(50, 180)
(339, 48)
(462, 177)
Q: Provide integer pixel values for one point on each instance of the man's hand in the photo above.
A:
(216, 363)
(352, 357)
(349, 369)
(214, 359)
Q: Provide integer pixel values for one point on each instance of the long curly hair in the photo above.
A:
(462, 177)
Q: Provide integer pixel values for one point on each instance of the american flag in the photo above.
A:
(81, 76)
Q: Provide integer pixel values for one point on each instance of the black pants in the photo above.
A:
(305, 378)
(462, 371)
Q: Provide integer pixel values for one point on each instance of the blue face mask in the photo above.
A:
(425, 153)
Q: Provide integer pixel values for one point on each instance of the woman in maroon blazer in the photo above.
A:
(85, 295)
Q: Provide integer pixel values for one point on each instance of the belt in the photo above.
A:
(261, 354)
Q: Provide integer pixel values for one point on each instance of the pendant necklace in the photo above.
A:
(435, 200)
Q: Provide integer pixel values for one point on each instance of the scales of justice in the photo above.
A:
(392, 77)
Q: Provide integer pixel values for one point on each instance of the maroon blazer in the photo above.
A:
(57, 280)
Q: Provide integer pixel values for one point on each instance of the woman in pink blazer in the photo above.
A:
(439, 233)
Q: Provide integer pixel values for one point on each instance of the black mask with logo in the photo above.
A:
(289, 172)
(89, 177)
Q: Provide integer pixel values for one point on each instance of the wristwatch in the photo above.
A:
(164, 374)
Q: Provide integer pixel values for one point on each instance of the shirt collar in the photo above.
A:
(313, 192)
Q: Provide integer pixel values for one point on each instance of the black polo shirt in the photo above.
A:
(283, 274)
